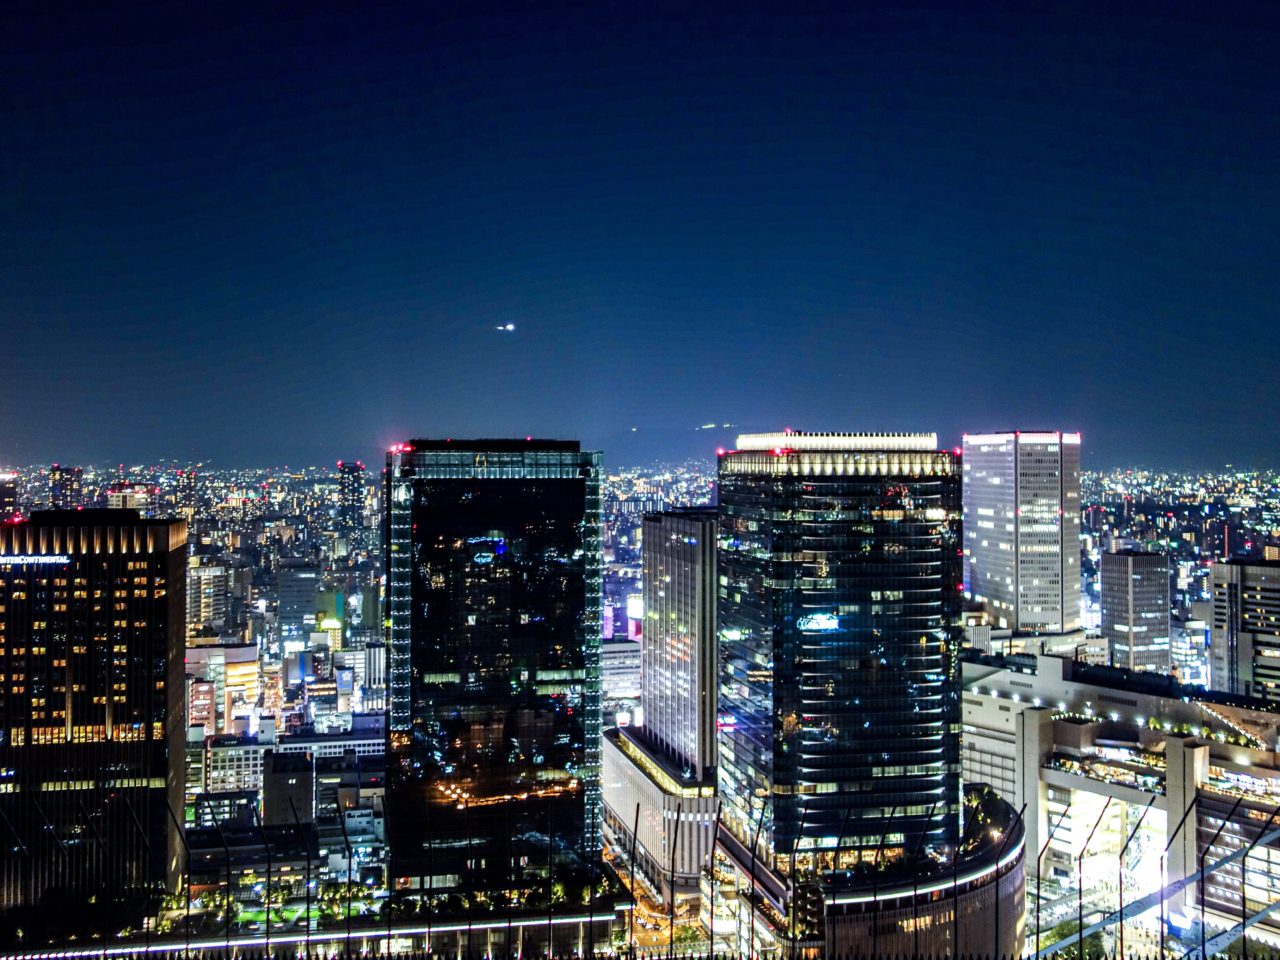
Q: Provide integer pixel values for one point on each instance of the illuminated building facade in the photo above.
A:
(665, 768)
(350, 519)
(679, 665)
(1244, 643)
(1022, 529)
(66, 487)
(186, 495)
(91, 702)
(839, 707)
(1135, 610)
(8, 497)
(494, 600)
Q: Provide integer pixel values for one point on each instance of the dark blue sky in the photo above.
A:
(263, 235)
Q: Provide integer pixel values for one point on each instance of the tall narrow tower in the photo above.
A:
(494, 599)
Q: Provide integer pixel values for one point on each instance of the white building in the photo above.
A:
(1022, 529)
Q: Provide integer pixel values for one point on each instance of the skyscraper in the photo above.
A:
(1244, 639)
(350, 520)
(1022, 529)
(186, 494)
(66, 487)
(91, 702)
(1135, 610)
(667, 765)
(679, 673)
(839, 703)
(494, 602)
(8, 497)
(297, 583)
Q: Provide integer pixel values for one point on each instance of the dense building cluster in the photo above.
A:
(834, 693)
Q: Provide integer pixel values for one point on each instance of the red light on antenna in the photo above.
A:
(528, 438)
(719, 451)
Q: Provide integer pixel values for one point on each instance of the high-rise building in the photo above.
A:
(666, 766)
(186, 495)
(1135, 610)
(350, 519)
(1244, 640)
(92, 722)
(9, 497)
(66, 487)
(297, 589)
(494, 560)
(208, 596)
(679, 670)
(134, 496)
(1022, 529)
(839, 707)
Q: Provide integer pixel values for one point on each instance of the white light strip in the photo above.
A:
(838, 441)
(933, 887)
(220, 943)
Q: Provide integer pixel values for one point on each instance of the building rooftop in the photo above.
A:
(505, 445)
(793, 440)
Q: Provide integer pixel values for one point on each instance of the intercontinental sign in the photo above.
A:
(34, 559)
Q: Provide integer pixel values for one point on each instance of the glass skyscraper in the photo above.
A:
(494, 604)
(839, 712)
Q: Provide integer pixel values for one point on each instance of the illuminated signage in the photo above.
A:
(30, 559)
(819, 622)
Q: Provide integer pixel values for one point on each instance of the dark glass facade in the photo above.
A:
(494, 601)
(839, 711)
(91, 704)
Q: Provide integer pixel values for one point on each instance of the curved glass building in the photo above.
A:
(840, 580)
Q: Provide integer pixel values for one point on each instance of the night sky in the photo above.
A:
(258, 236)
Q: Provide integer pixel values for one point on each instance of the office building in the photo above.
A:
(186, 496)
(208, 596)
(1135, 610)
(66, 487)
(839, 709)
(1244, 639)
(91, 703)
(134, 496)
(9, 497)
(494, 599)
(665, 768)
(1022, 529)
(679, 665)
(351, 490)
(298, 584)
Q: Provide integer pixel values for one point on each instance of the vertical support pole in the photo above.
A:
(346, 843)
(1080, 880)
(266, 845)
(1039, 861)
(751, 890)
(635, 879)
(1000, 856)
(306, 844)
(1204, 853)
(795, 884)
(671, 885)
(182, 835)
(955, 885)
(915, 885)
(1120, 868)
(1244, 862)
(875, 885)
